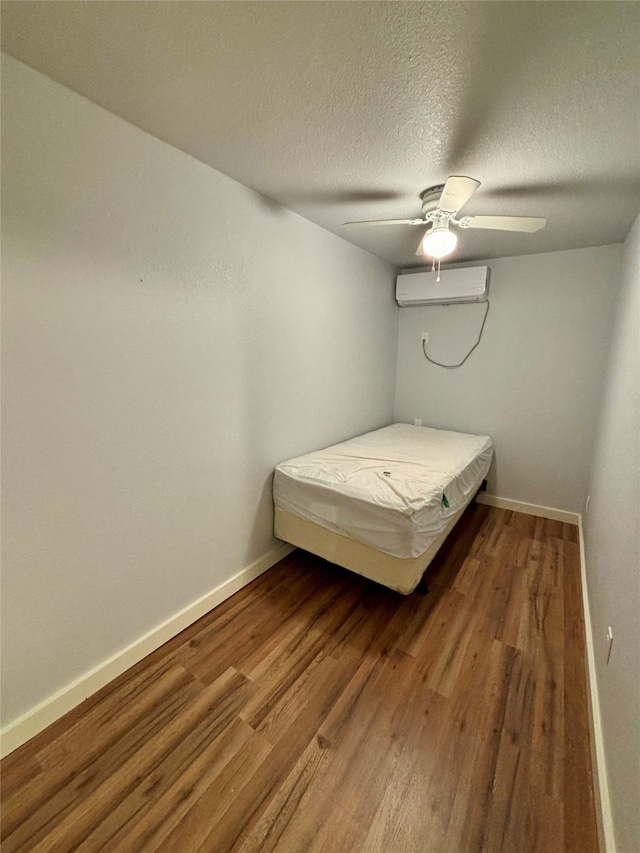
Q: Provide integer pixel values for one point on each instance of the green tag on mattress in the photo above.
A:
(445, 501)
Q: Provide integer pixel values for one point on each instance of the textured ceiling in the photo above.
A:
(347, 110)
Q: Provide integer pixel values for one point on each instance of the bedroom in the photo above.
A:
(183, 309)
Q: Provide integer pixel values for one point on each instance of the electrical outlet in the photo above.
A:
(425, 338)
(586, 505)
(609, 642)
(417, 421)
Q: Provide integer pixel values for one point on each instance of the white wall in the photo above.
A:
(534, 382)
(612, 544)
(169, 336)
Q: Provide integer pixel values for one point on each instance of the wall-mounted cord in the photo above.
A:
(454, 366)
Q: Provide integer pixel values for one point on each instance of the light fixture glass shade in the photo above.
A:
(439, 242)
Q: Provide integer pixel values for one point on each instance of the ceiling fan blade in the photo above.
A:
(504, 223)
(388, 222)
(457, 192)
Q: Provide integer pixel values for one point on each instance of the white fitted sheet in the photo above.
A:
(386, 488)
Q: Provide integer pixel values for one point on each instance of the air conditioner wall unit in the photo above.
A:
(421, 287)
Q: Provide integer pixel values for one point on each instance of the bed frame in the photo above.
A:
(401, 575)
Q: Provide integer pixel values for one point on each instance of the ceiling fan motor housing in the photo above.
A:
(430, 199)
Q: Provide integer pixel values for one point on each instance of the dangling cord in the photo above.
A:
(460, 363)
(438, 278)
(433, 265)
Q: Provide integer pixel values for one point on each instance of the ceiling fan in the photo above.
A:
(440, 205)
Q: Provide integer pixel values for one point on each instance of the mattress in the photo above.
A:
(394, 489)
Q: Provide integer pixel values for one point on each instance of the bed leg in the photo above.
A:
(423, 587)
(483, 488)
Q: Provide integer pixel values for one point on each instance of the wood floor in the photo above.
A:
(316, 711)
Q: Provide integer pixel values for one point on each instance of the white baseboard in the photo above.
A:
(529, 509)
(603, 804)
(37, 719)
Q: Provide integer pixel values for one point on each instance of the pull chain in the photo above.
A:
(438, 278)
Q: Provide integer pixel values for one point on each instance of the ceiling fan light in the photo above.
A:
(439, 242)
